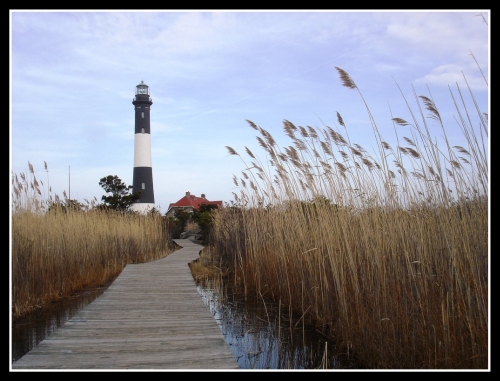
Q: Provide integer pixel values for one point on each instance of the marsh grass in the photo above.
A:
(207, 268)
(57, 253)
(386, 253)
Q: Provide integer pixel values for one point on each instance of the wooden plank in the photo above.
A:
(150, 317)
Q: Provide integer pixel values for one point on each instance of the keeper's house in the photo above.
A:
(190, 202)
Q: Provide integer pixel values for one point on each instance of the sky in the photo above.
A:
(73, 76)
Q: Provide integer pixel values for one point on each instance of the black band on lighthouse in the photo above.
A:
(143, 182)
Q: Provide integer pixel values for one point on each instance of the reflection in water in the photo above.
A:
(260, 339)
(257, 336)
(28, 331)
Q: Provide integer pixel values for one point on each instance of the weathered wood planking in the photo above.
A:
(150, 317)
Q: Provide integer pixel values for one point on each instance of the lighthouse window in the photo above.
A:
(143, 185)
(143, 114)
(142, 130)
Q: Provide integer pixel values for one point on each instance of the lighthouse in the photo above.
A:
(143, 171)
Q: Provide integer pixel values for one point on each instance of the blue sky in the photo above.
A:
(74, 74)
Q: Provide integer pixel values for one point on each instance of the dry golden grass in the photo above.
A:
(55, 254)
(378, 251)
(206, 267)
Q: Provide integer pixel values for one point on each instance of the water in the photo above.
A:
(28, 331)
(258, 336)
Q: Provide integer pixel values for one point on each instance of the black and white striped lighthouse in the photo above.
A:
(143, 171)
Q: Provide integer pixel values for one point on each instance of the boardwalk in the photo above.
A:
(151, 317)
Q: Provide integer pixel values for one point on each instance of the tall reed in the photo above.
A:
(58, 249)
(386, 252)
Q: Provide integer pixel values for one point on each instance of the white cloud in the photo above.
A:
(445, 75)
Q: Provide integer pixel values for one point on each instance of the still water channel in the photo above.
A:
(258, 336)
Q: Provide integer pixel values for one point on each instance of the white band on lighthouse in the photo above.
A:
(142, 150)
(142, 207)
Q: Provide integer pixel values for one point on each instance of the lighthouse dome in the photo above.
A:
(142, 88)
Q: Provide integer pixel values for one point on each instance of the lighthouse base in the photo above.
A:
(142, 208)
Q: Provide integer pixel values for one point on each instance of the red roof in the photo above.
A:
(190, 200)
